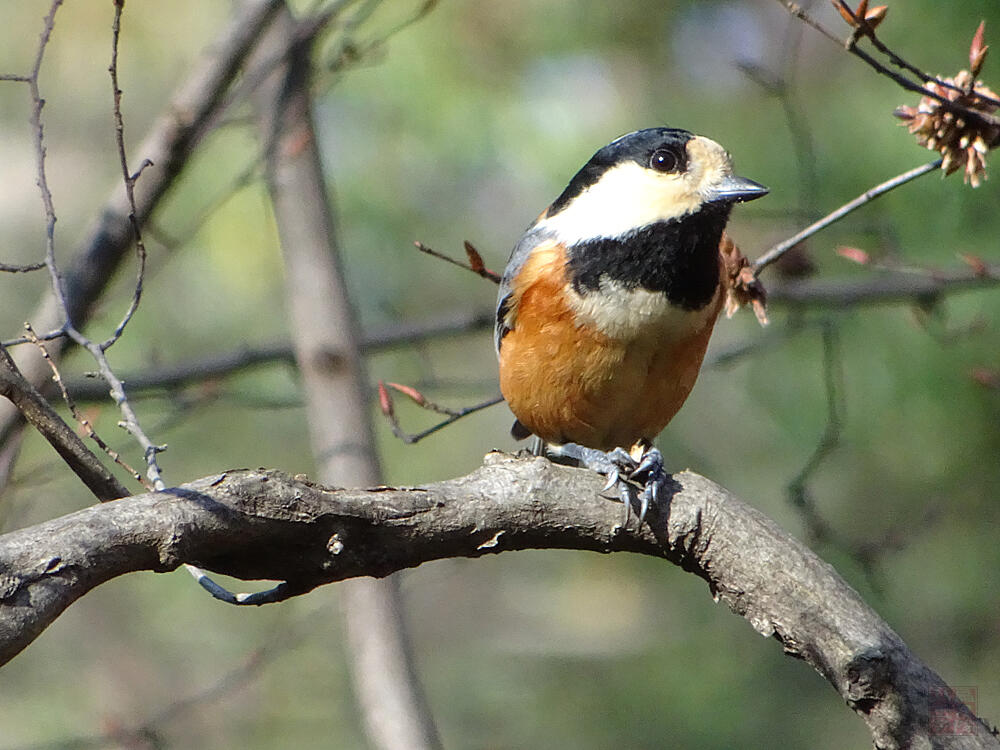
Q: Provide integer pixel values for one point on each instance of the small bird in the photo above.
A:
(609, 298)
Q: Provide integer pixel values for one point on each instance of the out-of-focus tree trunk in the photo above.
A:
(325, 335)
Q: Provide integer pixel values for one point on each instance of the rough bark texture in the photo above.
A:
(260, 524)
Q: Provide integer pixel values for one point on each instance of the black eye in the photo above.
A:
(664, 160)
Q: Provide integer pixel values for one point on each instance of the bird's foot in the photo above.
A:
(651, 474)
(621, 469)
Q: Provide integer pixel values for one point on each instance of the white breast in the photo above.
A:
(622, 313)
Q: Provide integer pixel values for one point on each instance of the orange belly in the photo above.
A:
(571, 383)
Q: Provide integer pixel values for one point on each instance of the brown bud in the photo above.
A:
(875, 16)
(986, 377)
(855, 254)
(475, 259)
(409, 392)
(384, 399)
(978, 50)
(845, 12)
(977, 264)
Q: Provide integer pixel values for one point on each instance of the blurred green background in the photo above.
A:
(464, 126)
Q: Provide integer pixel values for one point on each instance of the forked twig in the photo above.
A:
(130, 421)
(389, 410)
(901, 80)
(38, 412)
(84, 423)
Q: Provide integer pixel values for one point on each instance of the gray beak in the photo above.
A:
(733, 189)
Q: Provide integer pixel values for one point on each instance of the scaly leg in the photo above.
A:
(619, 467)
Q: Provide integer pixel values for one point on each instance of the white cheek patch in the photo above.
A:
(626, 198)
(630, 196)
(622, 313)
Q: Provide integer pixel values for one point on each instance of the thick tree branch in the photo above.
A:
(258, 524)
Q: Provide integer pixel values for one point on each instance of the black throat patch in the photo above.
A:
(679, 258)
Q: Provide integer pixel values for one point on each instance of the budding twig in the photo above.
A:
(389, 410)
(475, 263)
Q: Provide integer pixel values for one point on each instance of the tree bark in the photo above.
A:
(260, 524)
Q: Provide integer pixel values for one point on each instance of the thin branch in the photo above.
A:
(130, 421)
(214, 366)
(851, 46)
(38, 139)
(885, 288)
(868, 196)
(922, 75)
(129, 179)
(475, 263)
(869, 32)
(389, 410)
(170, 143)
(84, 423)
(58, 333)
(26, 268)
(255, 524)
(60, 436)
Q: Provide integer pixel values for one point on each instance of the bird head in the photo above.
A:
(645, 177)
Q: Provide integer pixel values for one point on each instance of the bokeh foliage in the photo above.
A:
(464, 126)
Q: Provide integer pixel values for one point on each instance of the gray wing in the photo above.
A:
(528, 242)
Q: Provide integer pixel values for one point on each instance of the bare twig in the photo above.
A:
(781, 248)
(869, 32)
(130, 421)
(60, 436)
(84, 423)
(129, 179)
(26, 268)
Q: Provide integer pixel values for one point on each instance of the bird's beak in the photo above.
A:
(733, 189)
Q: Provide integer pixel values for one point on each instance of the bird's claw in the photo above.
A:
(653, 477)
(621, 469)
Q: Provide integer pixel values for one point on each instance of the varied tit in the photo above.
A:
(609, 299)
